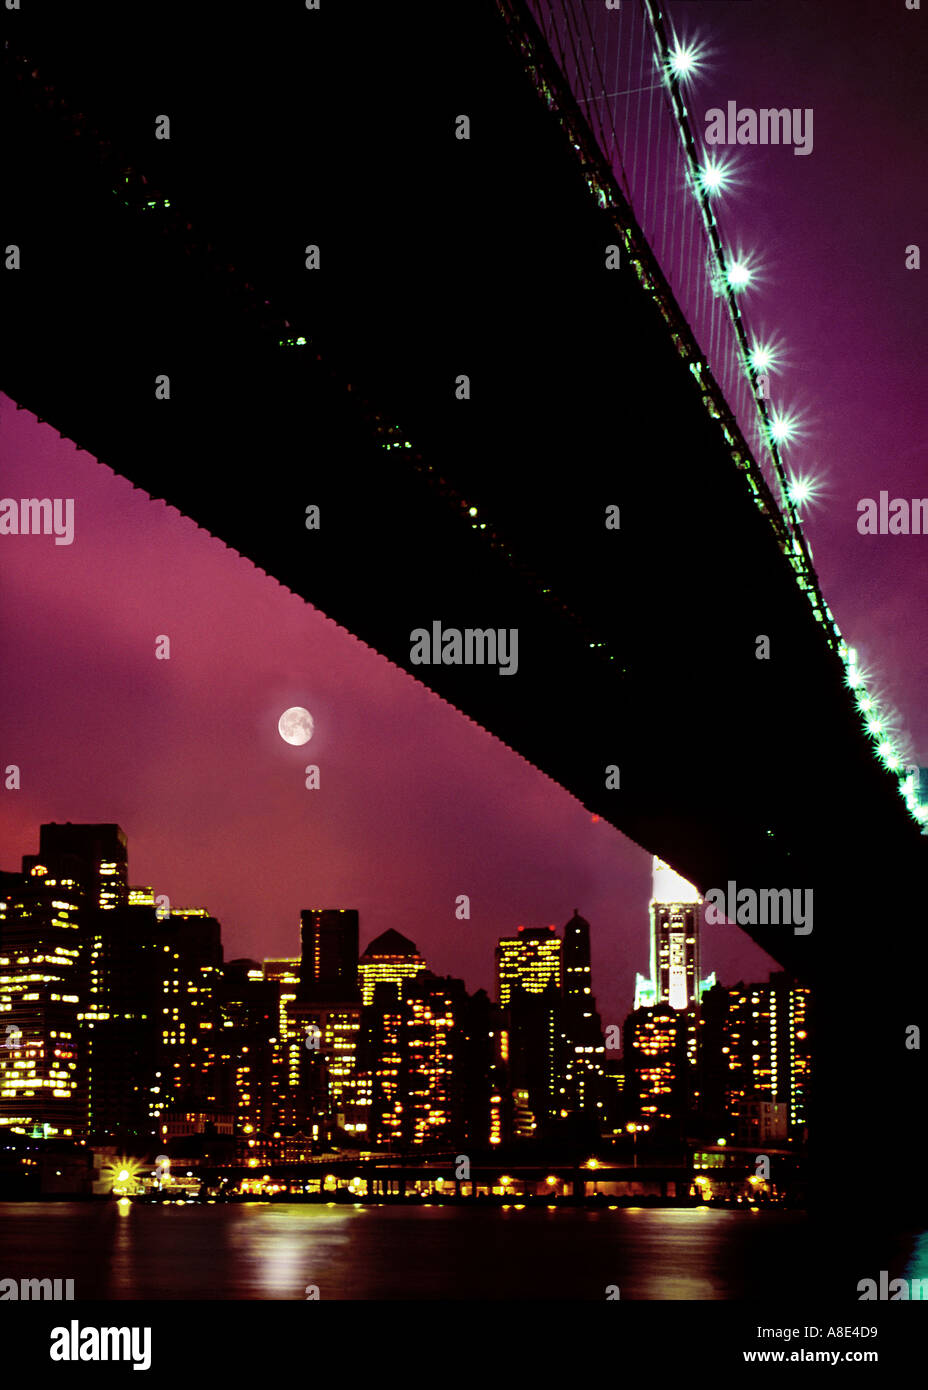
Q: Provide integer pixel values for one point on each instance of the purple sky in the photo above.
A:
(418, 805)
(830, 229)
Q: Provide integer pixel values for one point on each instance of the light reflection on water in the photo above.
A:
(276, 1252)
(273, 1251)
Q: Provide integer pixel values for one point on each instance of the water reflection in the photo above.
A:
(273, 1251)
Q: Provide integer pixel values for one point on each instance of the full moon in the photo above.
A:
(295, 725)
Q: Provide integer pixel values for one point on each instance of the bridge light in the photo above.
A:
(684, 61)
(802, 489)
(714, 176)
(739, 275)
(765, 356)
(784, 426)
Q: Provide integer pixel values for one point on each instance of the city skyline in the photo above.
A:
(417, 805)
(751, 953)
(123, 1021)
(540, 567)
(408, 782)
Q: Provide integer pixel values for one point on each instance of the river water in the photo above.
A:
(274, 1251)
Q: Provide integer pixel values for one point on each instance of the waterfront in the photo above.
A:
(274, 1250)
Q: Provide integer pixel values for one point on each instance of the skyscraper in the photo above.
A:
(658, 1080)
(427, 1050)
(287, 1106)
(43, 1065)
(533, 1025)
(529, 973)
(191, 979)
(755, 1049)
(327, 1015)
(531, 960)
(577, 967)
(95, 856)
(388, 959)
(249, 1011)
(675, 910)
(121, 1021)
(329, 954)
(583, 1049)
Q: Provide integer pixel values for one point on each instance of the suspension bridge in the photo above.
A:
(468, 353)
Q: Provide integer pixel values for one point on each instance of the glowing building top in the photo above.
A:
(667, 886)
(675, 911)
(389, 959)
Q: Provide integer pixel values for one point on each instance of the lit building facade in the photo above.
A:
(581, 1088)
(248, 1015)
(428, 1049)
(120, 1022)
(534, 1028)
(675, 909)
(657, 1088)
(337, 1093)
(287, 1108)
(43, 1065)
(96, 857)
(755, 1052)
(192, 971)
(530, 961)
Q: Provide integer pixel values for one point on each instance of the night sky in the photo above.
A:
(417, 804)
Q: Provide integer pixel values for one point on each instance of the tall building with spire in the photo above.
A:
(583, 1049)
(661, 1034)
